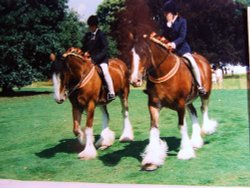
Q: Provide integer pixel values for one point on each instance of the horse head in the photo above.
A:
(67, 71)
(140, 56)
(147, 49)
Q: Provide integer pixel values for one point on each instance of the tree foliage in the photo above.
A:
(106, 13)
(29, 31)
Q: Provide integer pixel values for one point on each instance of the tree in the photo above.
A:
(29, 31)
(106, 13)
(71, 31)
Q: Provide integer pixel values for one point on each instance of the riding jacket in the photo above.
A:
(97, 45)
(176, 33)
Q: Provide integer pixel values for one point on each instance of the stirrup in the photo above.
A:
(110, 96)
(202, 91)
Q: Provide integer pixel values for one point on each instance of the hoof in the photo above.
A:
(126, 139)
(209, 128)
(87, 155)
(103, 147)
(186, 154)
(197, 143)
(149, 167)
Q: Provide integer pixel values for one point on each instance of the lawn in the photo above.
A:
(37, 142)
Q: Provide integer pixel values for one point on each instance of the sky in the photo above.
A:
(85, 8)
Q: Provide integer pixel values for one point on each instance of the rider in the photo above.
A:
(95, 43)
(175, 30)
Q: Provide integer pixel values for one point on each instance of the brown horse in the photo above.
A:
(76, 77)
(170, 84)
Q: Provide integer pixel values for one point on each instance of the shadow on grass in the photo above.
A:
(64, 146)
(134, 150)
(24, 93)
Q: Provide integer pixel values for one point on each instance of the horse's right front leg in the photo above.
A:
(89, 151)
(127, 133)
(77, 115)
(187, 151)
(156, 151)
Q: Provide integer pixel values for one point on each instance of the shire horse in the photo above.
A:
(77, 78)
(170, 84)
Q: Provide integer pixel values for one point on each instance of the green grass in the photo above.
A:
(37, 143)
(235, 82)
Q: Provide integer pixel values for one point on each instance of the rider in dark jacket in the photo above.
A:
(175, 30)
(96, 44)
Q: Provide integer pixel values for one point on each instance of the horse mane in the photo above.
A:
(77, 52)
(130, 24)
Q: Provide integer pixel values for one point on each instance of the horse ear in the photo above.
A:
(52, 57)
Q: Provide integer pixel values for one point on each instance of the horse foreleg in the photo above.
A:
(156, 151)
(107, 137)
(196, 138)
(186, 152)
(127, 133)
(89, 151)
(209, 126)
(77, 115)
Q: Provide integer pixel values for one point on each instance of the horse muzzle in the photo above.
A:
(136, 83)
(61, 98)
(136, 80)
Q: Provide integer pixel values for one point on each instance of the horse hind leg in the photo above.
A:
(209, 126)
(186, 152)
(107, 137)
(196, 138)
(127, 133)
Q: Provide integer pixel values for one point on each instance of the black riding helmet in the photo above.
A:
(92, 20)
(170, 6)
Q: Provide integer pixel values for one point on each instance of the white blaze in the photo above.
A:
(136, 61)
(56, 83)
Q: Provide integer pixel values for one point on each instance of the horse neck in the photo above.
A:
(158, 55)
(78, 67)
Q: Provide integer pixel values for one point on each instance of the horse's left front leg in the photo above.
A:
(156, 151)
(89, 151)
(187, 151)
